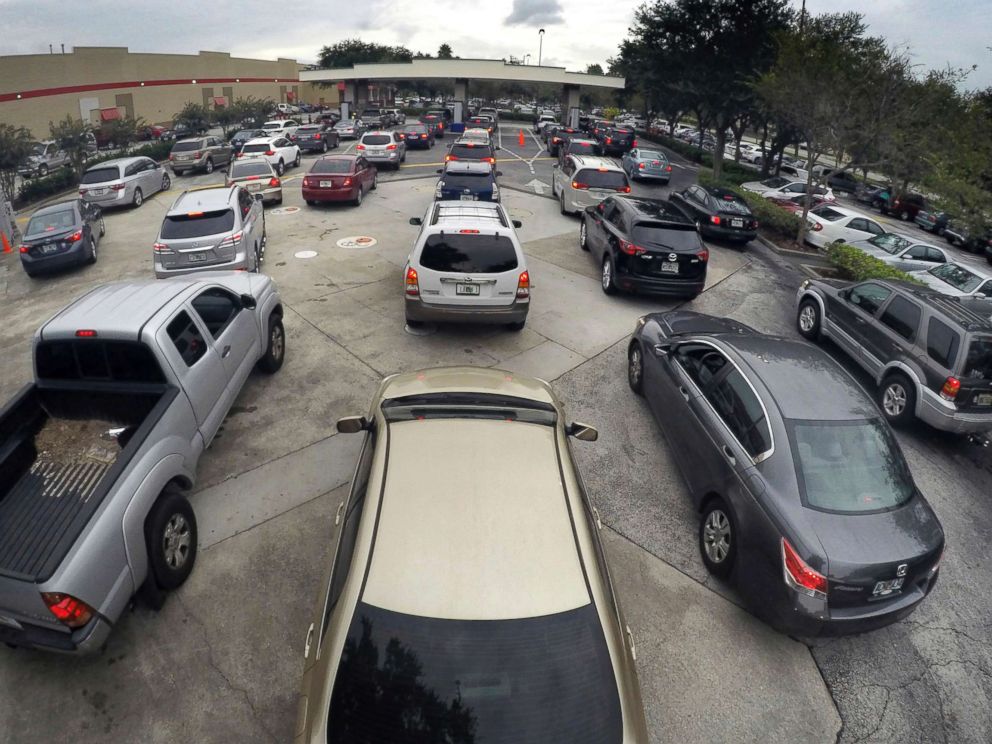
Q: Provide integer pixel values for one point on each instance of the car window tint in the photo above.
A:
(100, 175)
(615, 217)
(601, 179)
(469, 254)
(125, 361)
(978, 362)
(957, 276)
(903, 317)
(935, 255)
(376, 139)
(858, 223)
(701, 363)
(874, 228)
(739, 407)
(869, 297)
(826, 213)
(251, 168)
(216, 308)
(63, 219)
(187, 338)
(942, 343)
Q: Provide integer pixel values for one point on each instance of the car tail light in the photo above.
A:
(449, 158)
(715, 219)
(161, 248)
(816, 227)
(801, 577)
(317, 136)
(390, 147)
(75, 237)
(117, 187)
(24, 249)
(624, 189)
(347, 182)
(577, 185)
(703, 254)
(274, 181)
(633, 143)
(609, 140)
(85, 333)
(253, 178)
(640, 166)
(423, 136)
(523, 286)
(82, 192)
(630, 249)
(270, 152)
(412, 283)
(491, 161)
(469, 231)
(230, 241)
(306, 181)
(440, 126)
(951, 388)
(67, 609)
(668, 169)
(197, 154)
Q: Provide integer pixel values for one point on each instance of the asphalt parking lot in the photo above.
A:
(222, 661)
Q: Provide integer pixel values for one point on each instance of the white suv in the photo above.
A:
(467, 266)
(279, 152)
(583, 181)
(284, 127)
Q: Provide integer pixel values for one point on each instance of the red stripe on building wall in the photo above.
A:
(42, 92)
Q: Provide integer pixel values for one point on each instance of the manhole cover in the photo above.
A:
(305, 254)
(421, 330)
(284, 210)
(357, 241)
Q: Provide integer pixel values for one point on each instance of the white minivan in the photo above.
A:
(467, 266)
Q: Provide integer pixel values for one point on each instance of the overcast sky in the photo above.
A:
(578, 32)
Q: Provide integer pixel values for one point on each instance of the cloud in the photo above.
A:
(535, 12)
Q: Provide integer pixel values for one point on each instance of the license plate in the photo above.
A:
(983, 399)
(49, 248)
(10, 622)
(467, 197)
(184, 157)
(885, 588)
(377, 152)
(254, 187)
(98, 192)
(467, 289)
(670, 267)
(196, 257)
(326, 184)
(737, 223)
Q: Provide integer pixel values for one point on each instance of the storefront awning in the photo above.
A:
(109, 114)
(220, 100)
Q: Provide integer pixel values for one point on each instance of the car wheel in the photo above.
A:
(518, 326)
(897, 399)
(42, 170)
(138, 199)
(275, 351)
(103, 227)
(607, 278)
(92, 256)
(904, 215)
(258, 262)
(562, 202)
(166, 182)
(208, 167)
(635, 368)
(583, 236)
(358, 199)
(808, 320)
(311, 202)
(296, 163)
(170, 535)
(717, 541)
(324, 148)
(280, 168)
(375, 181)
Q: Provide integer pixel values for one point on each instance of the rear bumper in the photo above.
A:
(181, 166)
(110, 198)
(85, 640)
(728, 233)
(348, 193)
(392, 159)
(649, 176)
(659, 285)
(941, 415)
(238, 263)
(420, 311)
(76, 255)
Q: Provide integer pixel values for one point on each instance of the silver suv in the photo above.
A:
(210, 229)
(199, 153)
(383, 148)
(123, 182)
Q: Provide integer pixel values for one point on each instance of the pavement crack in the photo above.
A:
(212, 662)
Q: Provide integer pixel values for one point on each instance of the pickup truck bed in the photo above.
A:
(60, 451)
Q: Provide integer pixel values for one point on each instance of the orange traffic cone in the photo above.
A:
(520, 139)
(6, 243)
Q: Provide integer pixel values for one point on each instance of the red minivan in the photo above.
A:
(338, 178)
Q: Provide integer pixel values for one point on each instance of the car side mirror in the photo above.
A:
(352, 424)
(584, 432)
(417, 220)
(248, 302)
(258, 197)
(518, 223)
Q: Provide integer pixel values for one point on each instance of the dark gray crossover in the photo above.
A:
(929, 354)
(806, 501)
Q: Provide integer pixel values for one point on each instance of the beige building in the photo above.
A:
(101, 83)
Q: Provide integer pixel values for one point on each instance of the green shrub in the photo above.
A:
(859, 266)
(39, 188)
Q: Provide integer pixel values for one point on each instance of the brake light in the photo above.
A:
(423, 136)
(715, 219)
(952, 386)
(640, 166)
(624, 189)
(412, 283)
(161, 248)
(274, 181)
(469, 232)
(76, 236)
(253, 178)
(523, 286)
(230, 241)
(347, 182)
(24, 249)
(630, 249)
(306, 181)
(85, 333)
(491, 161)
(196, 155)
(270, 152)
(703, 254)
(577, 185)
(67, 609)
(801, 577)
(816, 227)
(668, 168)
(449, 158)
(117, 187)
(609, 140)
(390, 147)
(440, 125)
(633, 143)
(317, 136)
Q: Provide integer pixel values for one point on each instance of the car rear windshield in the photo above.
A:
(849, 466)
(376, 139)
(776, 183)
(601, 179)
(187, 146)
(733, 205)
(978, 363)
(466, 180)
(244, 133)
(197, 224)
(101, 175)
(469, 254)
(258, 168)
(957, 276)
(309, 129)
(826, 213)
(331, 166)
(890, 242)
(652, 155)
(93, 359)
(471, 151)
(64, 219)
(406, 679)
(665, 236)
(415, 129)
(371, 112)
(260, 147)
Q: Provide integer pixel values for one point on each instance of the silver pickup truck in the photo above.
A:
(132, 382)
(44, 158)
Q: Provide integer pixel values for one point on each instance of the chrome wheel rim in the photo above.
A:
(607, 274)
(210, 166)
(807, 318)
(634, 368)
(176, 541)
(894, 399)
(716, 536)
(166, 183)
(137, 198)
(278, 342)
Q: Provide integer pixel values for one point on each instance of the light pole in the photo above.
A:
(540, 45)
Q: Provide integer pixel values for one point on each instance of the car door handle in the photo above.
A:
(729, 454)
(685, 393)
(599, 523)
(859, 321)
(306, 646)
(337, 516)
(226, 353)
(630, 640)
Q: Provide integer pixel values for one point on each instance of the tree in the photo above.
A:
(594, 69)
(355, 51)
(15, 146)
(124, 132)
(228, 118)
(251, 111)
(444, 52)
(194, 116)
(73, 136)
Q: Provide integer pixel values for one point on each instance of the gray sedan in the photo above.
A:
(905, 254)
(805, 498)
(123, 182)
(641, 163)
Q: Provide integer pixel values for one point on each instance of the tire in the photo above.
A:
(403, 157)
(280, 168)
(170, 536)
(208, 167)
(103, 227)
(375, 181)
(608, 276)
(413, 323)
(518, 326)
(324, 148)
(311, 202)
(166, 182)
(92, 256)
(358, 199)
(296, 163)
(717, 538)
(258, 262)
(562, 203)
(904, 216)
(897, 399)
(138, 198)
(275, 351)
(635, 368)
(42, 170)
(583, 236)
(808, 320)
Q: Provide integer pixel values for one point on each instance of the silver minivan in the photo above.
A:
(221, 228)
(123, 182)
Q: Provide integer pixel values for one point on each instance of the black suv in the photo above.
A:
(617, 141)
(644, 245)
(930, 356)
(556, 135)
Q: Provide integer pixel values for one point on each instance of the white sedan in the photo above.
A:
(956, 280)
(279, 152)
(829, 223)
(284, 127)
